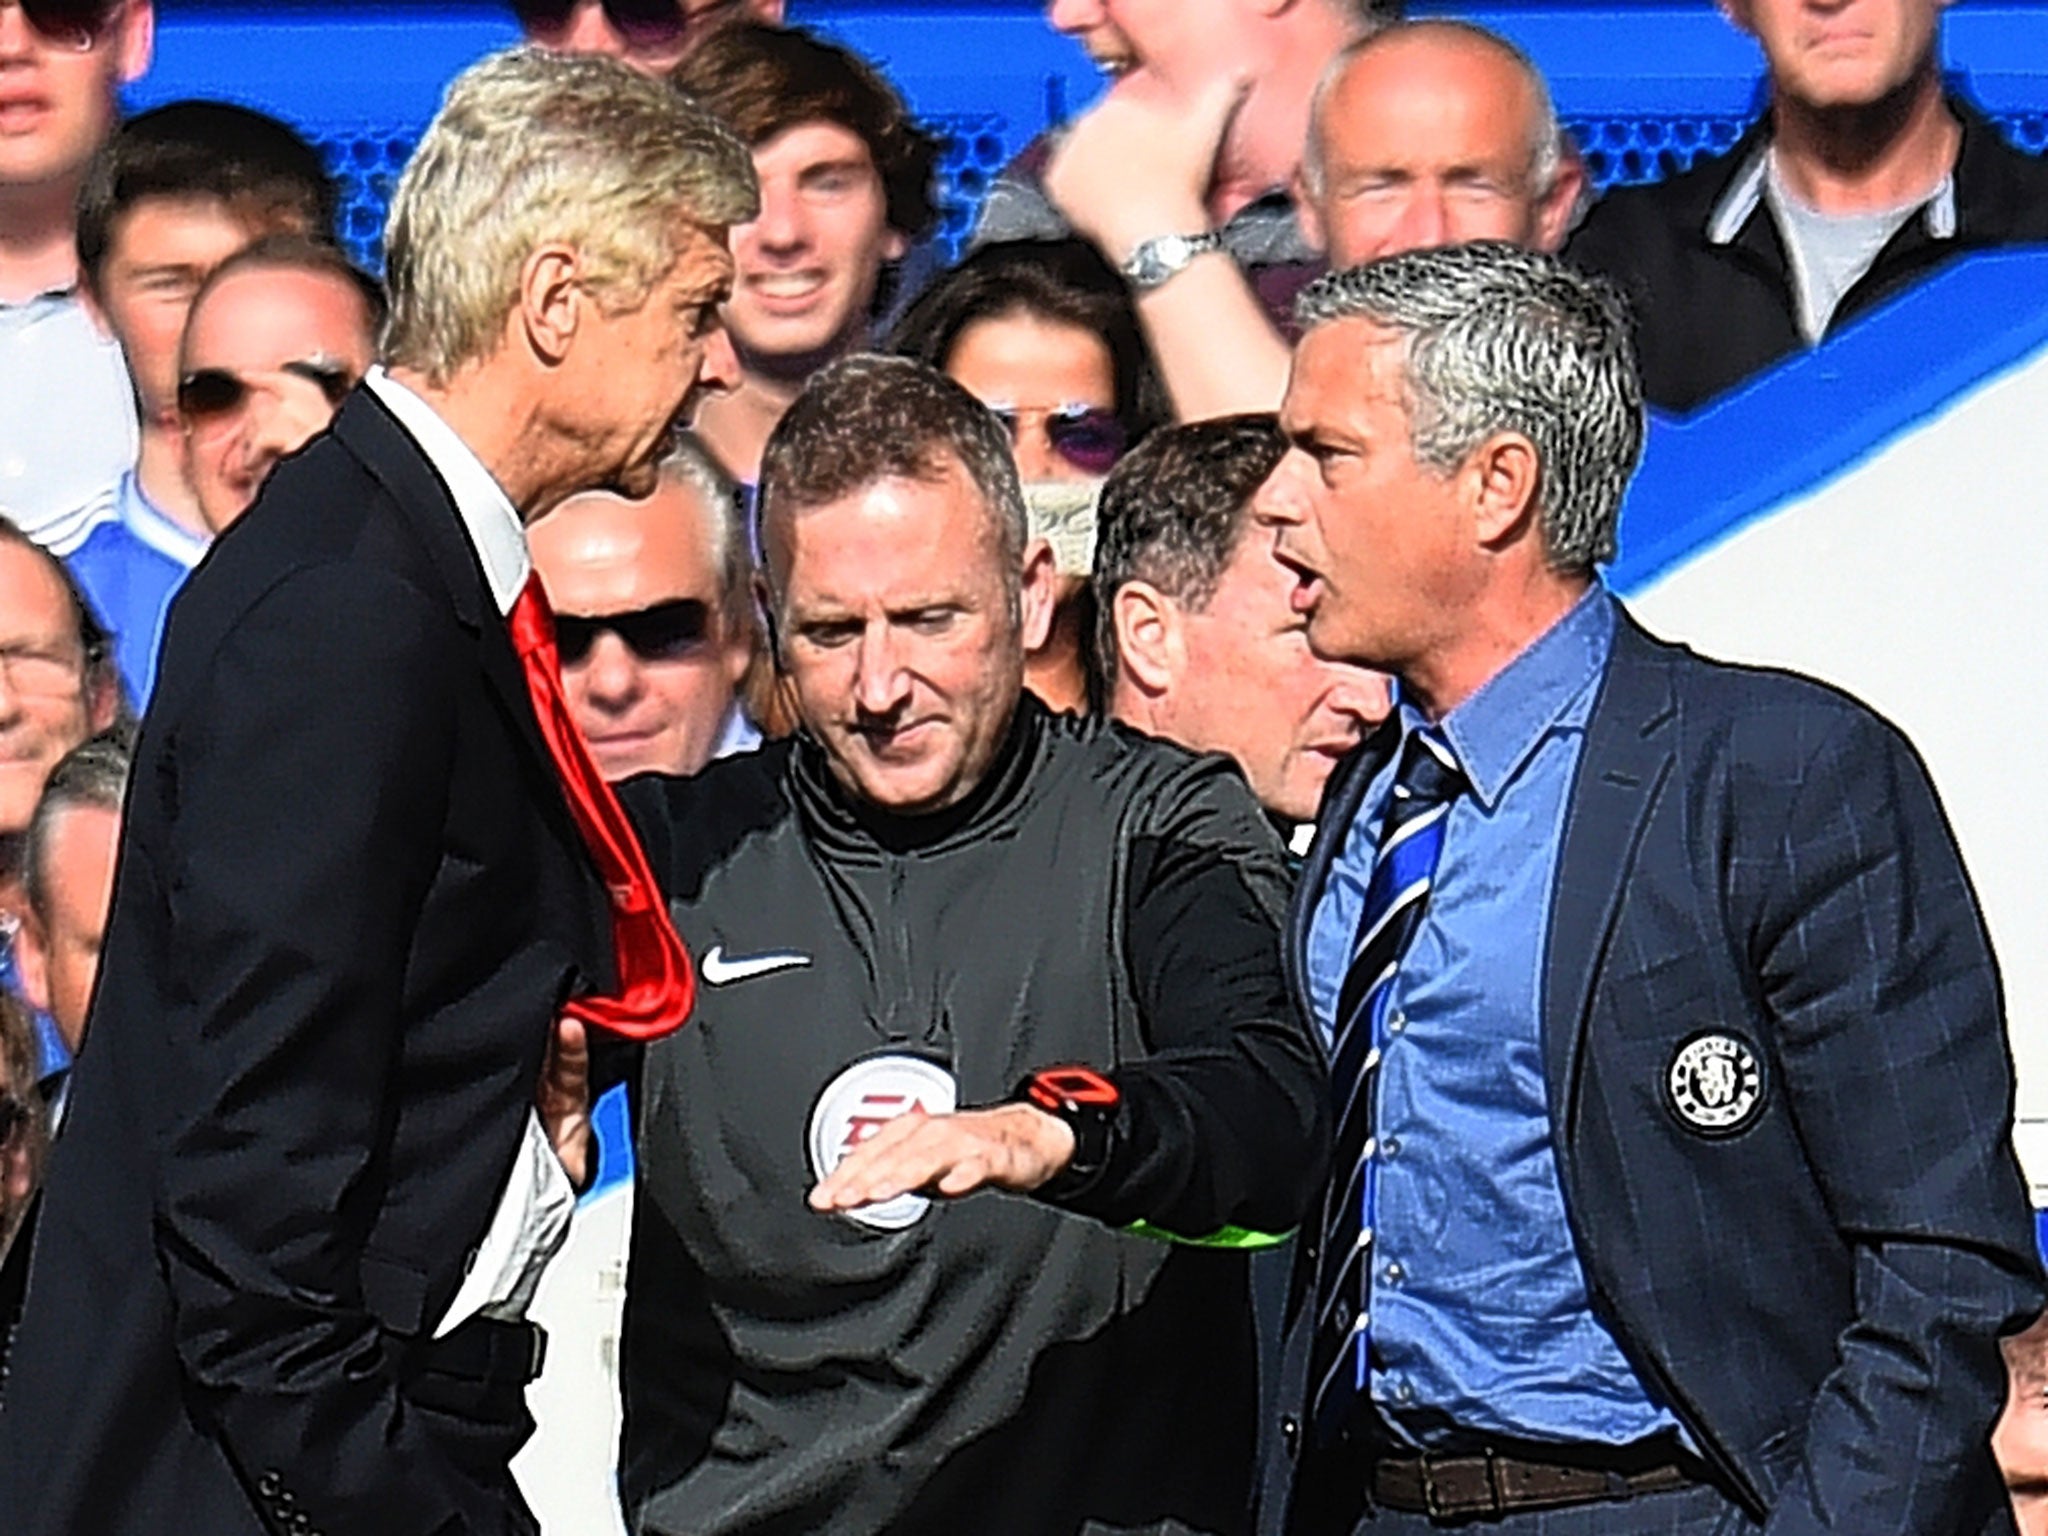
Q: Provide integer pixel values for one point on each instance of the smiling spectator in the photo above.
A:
(846, 187)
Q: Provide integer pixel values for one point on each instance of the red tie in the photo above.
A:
(656, 984)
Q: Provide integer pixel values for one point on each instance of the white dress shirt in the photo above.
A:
(533, 1211)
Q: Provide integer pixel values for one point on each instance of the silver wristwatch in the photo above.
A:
(1159, 258)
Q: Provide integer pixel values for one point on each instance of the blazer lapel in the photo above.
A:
(1626, 759)
(388, 451)
(1342, 798)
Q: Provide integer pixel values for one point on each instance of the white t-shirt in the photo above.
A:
(67, 418)
(1829, 252)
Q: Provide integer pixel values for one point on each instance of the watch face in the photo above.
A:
(1065, 1090)
(1159, 258)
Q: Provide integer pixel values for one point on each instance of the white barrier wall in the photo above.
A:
(566, 1470)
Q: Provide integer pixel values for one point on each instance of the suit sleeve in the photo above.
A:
(310, 780)
(1224, 1120)
(1891, 1035)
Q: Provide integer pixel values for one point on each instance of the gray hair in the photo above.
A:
(1546, 149)
(690, 466)
(868, 418)
(93, 774)
(531, 147)
(1501, 339)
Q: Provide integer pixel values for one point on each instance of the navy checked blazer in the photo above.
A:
(1781, 1095)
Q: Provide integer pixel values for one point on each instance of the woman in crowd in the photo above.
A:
(1043, 333)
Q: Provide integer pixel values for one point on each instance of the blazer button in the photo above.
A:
(1290, 1433)
(268, 1485)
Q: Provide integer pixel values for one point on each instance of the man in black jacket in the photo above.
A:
(1860, 180)
(281, 1267)
(952, 943)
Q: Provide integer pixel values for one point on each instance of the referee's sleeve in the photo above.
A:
(1224, 1121)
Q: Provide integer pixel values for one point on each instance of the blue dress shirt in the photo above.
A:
(1480, 1317)
(130, 566)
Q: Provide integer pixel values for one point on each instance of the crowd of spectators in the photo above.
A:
(1104, 420)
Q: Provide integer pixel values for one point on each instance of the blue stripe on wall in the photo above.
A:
(1794, 429)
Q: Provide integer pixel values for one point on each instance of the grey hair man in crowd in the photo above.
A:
(654, 617)
(58, 684)
(280, 1271)
(1428, 133)
(951, 943)
(1615, 948)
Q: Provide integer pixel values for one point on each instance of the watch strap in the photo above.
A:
(1088, 1102)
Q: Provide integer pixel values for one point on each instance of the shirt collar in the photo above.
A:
(1494, 732)
(149, 524)
(63, 293)
(488, 517)
(1746, 191)
(1741, 198)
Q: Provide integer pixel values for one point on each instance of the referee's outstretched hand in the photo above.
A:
(1014, 1147)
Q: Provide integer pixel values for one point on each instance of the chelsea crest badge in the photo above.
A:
(1715, 1085)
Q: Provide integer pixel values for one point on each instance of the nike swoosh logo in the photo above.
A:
(718, 971)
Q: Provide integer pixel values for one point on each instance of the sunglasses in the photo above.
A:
(76, 24)
(207, 396)
(1086, 436)
(642, 23)
(665, 632)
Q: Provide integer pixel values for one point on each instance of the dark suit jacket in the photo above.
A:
(1817, 1295)
(349, 900)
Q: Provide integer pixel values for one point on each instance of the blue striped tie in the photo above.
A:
(1411, 837)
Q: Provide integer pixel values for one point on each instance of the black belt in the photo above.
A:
(1492, 1484)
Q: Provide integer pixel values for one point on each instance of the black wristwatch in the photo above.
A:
(1087, 1101)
